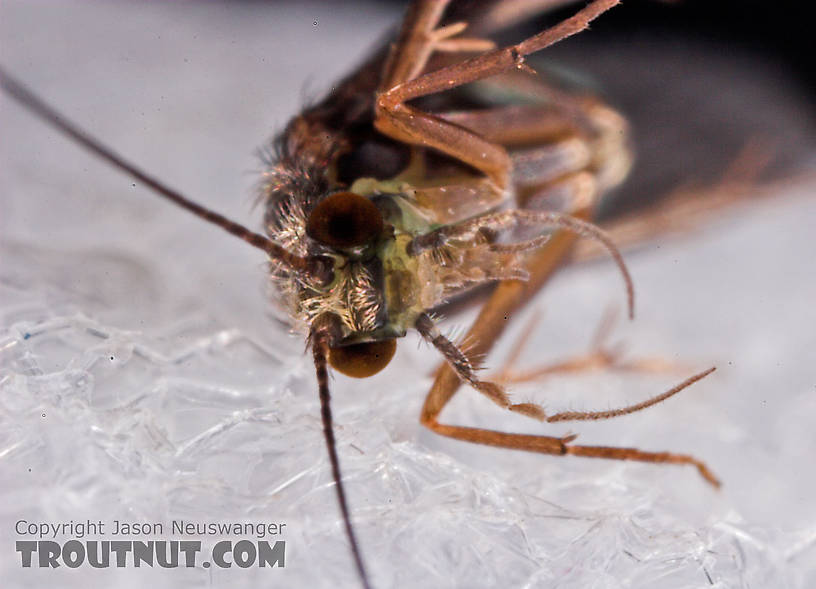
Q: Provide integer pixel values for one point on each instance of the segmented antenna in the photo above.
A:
(319, 340)
(315, 268)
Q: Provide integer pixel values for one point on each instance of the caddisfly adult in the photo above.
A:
(401, 190)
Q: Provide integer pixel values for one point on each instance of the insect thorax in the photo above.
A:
(379, 289)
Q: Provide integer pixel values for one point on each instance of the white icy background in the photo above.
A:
(154, 384)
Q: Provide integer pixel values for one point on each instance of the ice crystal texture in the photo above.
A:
(143, 379)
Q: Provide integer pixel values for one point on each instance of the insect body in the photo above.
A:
(402, 190)
(405, 240)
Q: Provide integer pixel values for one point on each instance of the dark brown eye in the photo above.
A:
(344, 219)
(362, 360)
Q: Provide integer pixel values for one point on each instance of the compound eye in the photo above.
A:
(344, 219)
(362, 360)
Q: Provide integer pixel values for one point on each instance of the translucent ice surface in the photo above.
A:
(145, 380)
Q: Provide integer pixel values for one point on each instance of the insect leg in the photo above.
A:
(614, 453)
(601, 356)
(556, 115)
(465, 370)
(579, 193)
(562, 447)
(508, 296)
(516, 124)
(494, 62)
(535, 219)
(411, 125)
(565, 151)
(414, 46)
(557, 162)
(462, 365)
(460, 362)
(567, 142)
(505, 13)
(405, 123)
(595, 415)
(419, 37)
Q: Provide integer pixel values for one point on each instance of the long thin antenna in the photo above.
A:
(319, 346)
(53, 118)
